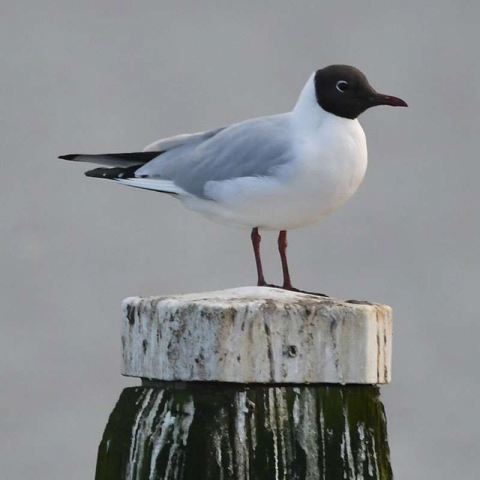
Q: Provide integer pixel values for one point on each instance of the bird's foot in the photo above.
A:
(293, 289)
(289, 288)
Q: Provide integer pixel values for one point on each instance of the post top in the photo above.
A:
(256, 335)
(254, 294)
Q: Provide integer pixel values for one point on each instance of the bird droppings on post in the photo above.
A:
(199, 337)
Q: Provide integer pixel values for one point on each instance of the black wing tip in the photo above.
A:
(92, 173)
(112, 173)
(101, 173)
(71, 156)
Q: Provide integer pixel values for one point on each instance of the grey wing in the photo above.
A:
(248, 149)
(184, 139)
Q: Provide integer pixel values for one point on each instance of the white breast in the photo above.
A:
(331, 165)
(327, 170)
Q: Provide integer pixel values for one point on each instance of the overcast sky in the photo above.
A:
(114, 75)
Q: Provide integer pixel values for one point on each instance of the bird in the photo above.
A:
(276, 172)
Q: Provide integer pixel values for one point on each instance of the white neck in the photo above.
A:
(308, 115)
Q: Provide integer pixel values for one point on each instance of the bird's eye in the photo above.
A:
(342, 85)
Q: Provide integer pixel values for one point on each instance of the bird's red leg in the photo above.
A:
(282, 248)
(256, 250)
(287, 282)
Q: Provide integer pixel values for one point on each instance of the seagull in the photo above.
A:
(276, 172)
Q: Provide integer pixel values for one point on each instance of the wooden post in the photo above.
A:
(250, 384)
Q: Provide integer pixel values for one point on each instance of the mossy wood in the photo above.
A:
(204, 431)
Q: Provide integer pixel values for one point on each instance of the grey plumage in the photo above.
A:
(248, 149)
(183, 139)
(187, 163)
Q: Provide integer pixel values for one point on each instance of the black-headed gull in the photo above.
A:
(270, 173)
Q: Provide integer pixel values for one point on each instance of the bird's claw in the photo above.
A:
(292, 289)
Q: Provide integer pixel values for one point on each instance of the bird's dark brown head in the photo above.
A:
(345, 92)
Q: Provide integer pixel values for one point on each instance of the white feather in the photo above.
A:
(153, 184)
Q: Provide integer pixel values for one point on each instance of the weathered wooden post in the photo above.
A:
(250, 384)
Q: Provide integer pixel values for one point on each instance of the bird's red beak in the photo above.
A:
(380, 99)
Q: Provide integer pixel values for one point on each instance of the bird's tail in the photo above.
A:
(121, 167)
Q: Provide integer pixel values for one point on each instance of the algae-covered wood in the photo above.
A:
(221, 432)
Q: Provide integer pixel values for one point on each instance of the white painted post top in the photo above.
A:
(256, 335)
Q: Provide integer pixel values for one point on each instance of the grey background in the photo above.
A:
(114, 75)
